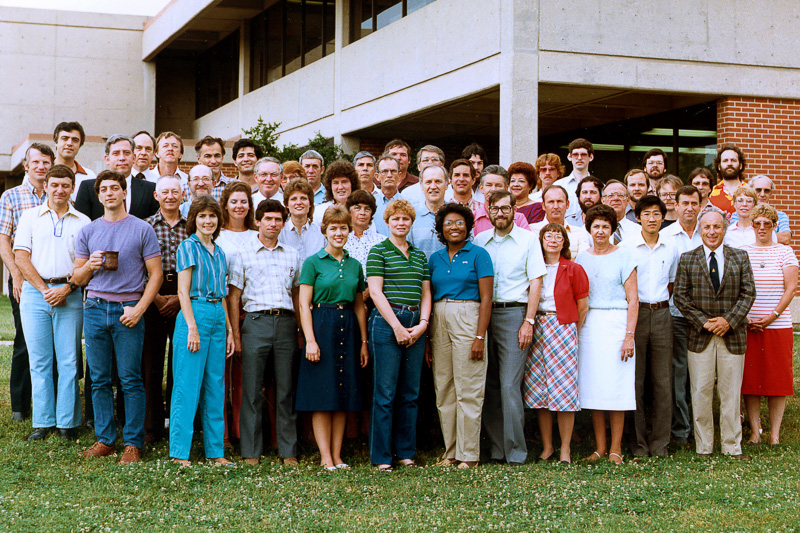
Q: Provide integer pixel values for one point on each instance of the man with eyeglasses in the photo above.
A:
(31, 193)
(210, 152)
(268, 172)
(428, 155)
(159, 319)
(656, 262)
(615, 195)
(730, 164)
(139, 200)
(365, 168)
(494, 178)
(246, 154)
(703, 180)
(52, 310)
(201, 181)
(654, 164)
(667, 190)
(388, 173)
(636, 181)
(764, 186)
(580, 153)
(519, 269)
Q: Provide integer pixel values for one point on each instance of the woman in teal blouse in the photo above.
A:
(203, 337)
(334, 324)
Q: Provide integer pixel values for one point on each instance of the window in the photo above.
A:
(367, 16)
(217, 75)
(288, 36)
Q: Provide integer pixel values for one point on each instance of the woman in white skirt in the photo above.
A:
(606, 366)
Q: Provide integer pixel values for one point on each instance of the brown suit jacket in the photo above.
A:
(695, 297)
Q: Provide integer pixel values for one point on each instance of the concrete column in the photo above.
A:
(244, 73)
(519, 80)
(341, 33)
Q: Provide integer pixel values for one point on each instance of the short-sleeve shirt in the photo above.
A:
(265, 277)
(307, 243)
(50, 240)
(768, 264)
(402, 277)
(232, 241)
(334, 282)
(458, 279)
(210, 274)
(14, 202)
(517, 260)
(135, 241)
(656, 267)
(359, 248)
(607, 276)
(423, 232)
(721, 198)
(169, 237)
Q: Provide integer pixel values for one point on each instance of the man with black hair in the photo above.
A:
(210, 152)
(245, 154)
(656, 263)
(589, 192)
(69, 137)
(144, 151)
(476, 155)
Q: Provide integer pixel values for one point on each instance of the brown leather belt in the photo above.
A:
(658, 305)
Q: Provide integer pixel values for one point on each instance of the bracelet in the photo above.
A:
(423, 320)
(777, 314)
(364, 342)
(629, 333)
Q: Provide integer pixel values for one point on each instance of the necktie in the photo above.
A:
(139, 176)
(617, 236)
(713, 271)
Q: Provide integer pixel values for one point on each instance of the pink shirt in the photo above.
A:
(482, 222)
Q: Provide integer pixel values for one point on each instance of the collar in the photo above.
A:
(258, 245)
(718, 252)
(159, 217)
(29, 185)
(304, 227)
(196, 240)
(514, 234)
(79, 169)
(637, 239)
(323, 253)
(44, 208)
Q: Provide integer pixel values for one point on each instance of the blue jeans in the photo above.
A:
(396, 371)
(105, 336)
(43, 324)
(199, 382)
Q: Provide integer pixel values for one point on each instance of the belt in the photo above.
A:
(170, 276)
(273, 312)
(404, 307)
(332, 306)
(454, 301)
(209, 300)
(658, 305)
(546, 313)
(54, 281)
(504, 305)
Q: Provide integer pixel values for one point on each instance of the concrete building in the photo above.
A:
(519, 76)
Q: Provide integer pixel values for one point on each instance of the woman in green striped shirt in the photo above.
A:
(399, 283)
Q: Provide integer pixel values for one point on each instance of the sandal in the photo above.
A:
(410, 464)
(618, 456)
(465, 465)
(329, 468)
(221, 461)
(446, 462)
(385, 469)
(183, 463)
(594, 457)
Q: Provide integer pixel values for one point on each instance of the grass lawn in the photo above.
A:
(45, 486)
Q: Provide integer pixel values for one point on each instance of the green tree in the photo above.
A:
(264, 134)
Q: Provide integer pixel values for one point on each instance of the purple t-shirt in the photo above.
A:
(135, 241)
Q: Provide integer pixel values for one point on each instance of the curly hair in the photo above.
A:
(458, 209)
(227, 192)
(200, 204)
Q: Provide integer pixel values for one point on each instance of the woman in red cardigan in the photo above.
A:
(551, 370)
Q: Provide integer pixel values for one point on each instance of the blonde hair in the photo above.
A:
(399, 206)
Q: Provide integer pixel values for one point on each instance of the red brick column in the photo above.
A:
(768, 132)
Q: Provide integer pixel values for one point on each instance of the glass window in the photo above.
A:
(293, 40)
(274, 44)
(313, 15)
(413, 5)
(329, 29)
(217, 75)
(386, 12)
(367, 16)
(360, 19)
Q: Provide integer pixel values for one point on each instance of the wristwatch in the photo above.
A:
(479, 337)
(530, 321)
(72, 286)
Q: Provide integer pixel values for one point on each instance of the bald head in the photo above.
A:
(201, 181)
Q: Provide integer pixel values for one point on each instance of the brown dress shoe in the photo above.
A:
(99, 449)
(131, 454)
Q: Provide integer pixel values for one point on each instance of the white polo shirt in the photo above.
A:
(655, 268)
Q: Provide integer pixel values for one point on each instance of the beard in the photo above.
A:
(503, 223)
(585, 206)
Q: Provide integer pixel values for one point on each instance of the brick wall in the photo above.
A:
(768, 132)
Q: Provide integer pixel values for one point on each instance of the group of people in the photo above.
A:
(522, 288)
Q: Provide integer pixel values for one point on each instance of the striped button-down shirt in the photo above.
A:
(16, 200)
(265, 277)
(169, 238)
(210, 272)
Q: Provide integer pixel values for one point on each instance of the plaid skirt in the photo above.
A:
(551, 368)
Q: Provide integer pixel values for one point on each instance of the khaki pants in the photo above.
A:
(458, 380)
(716, 361)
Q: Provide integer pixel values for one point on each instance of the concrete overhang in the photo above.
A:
(195, 25)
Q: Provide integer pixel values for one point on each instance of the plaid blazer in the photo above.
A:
(695, 297)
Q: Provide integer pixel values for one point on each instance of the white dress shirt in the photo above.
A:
(720, 257)
(517, 260)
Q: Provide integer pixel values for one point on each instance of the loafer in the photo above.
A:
(17, 416)
(739, 457)
(514, 463)
(131, 454)
(40, 433)
(99, 449)
(68, 433)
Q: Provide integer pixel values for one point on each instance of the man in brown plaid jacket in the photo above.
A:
(714, 290)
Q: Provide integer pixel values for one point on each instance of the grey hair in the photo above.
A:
(430, 148)
(360, 155)
(385, 157)
(117, 138)
(760, 176)
(713, 211)
(269, 159)
(168, 177)
(313, 154)
(440, 167)
(495, 169)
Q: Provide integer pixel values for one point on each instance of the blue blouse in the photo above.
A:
(210, 274)
(458, 279)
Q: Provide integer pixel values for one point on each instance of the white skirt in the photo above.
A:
(605, 382)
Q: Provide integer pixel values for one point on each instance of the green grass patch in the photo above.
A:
(46, 486)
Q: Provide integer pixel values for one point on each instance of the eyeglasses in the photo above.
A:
(203, 179)
(615, 195)
(388, 172)
(429, 160)
(555, 237)
(763, 224)
(505, 209)
(655, 164)
(580, 155)
(456, 223)
(671, 195)
(766, 191)
(273, 175)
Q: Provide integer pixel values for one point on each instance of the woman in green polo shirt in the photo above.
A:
(399, 284)
(335, 327)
